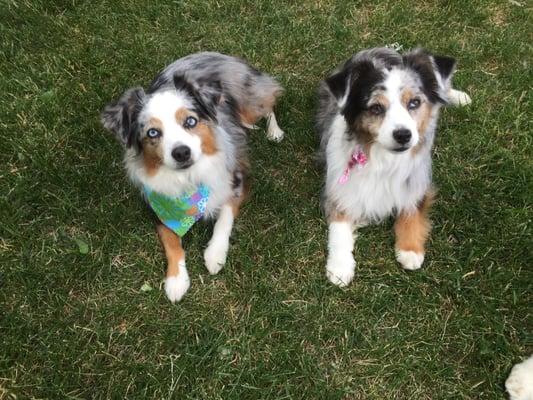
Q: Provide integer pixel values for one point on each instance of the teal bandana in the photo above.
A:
(179, 213)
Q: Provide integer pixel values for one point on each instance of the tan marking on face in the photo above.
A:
(152, 152)
(173, 250)
(202, 129)
(367, 129)
(412, 229)
(181, 115)
(422, 117)
(207, 136)
(381, 99)
(407, 94)
(367, 125)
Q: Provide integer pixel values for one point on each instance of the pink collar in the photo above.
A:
(358, 159)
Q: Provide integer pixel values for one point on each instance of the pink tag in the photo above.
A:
(344, 177)
(358, 158)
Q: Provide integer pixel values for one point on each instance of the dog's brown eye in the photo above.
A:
(376, 109)
(413, 104)
(190, 122)
(153, 133)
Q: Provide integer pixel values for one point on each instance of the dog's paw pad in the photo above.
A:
(340, 270)
(410, 260)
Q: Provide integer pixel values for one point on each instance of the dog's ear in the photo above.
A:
(206, 94)
(364, 76)
(445, 66)
(338, 83)
(210, 93)
(353, 80)
(121, 117)
(423, 63)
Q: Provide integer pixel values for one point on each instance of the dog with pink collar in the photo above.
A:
(377, 119)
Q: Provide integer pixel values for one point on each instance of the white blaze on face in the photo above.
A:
(397, 116)
(163, 106)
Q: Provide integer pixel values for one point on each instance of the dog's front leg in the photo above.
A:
(177, 282)
(340, 267)
(217, 250)
(412, 231)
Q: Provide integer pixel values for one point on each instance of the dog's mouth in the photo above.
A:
(400, 149)
(184, 165)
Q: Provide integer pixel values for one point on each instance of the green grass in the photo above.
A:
(269, 326)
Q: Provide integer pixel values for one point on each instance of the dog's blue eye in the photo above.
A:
(413, 104)
(153, 133)
(190, 122)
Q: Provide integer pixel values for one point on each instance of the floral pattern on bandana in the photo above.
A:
(179, 213)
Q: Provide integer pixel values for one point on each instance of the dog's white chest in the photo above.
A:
(387, 182)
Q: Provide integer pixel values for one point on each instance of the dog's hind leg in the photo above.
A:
(274, 132)
(263, 99)
(458, 98)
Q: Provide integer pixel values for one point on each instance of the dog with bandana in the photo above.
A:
(184, 141)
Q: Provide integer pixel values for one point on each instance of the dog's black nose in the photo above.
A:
(181, 153)
(402, 136)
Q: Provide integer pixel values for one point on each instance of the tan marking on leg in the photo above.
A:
(235, 206)
(333, 214)
(248, 116)
(238, 200)
(173, 250)
(412, 229)
(338, 216)
(252, 112)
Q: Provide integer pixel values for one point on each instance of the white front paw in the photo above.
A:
(519, 384)
(275, 133)
(177, 286)
(409, 259)
(215, 256)
(340, 269)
